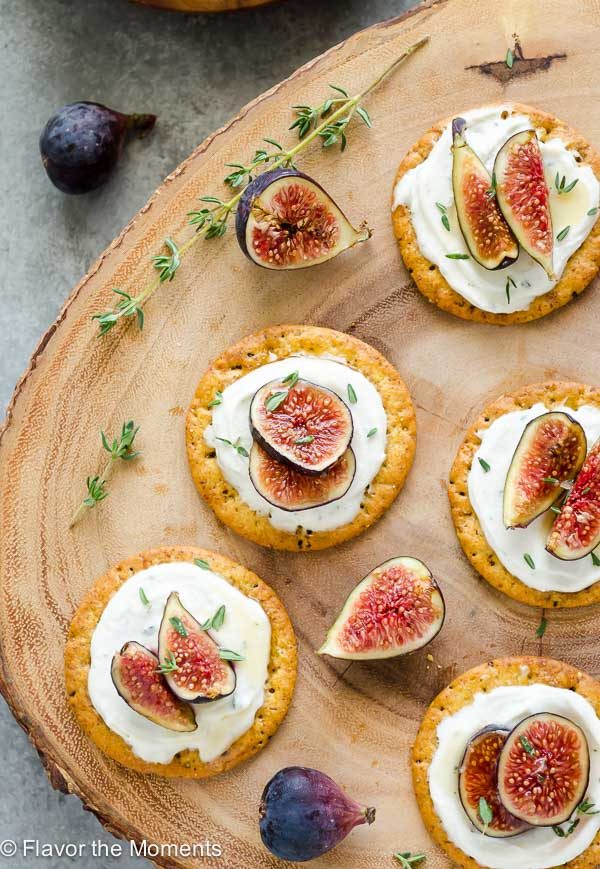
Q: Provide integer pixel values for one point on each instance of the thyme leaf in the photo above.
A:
(178, 625)
(228, 655)
(457, 256)
(542, 627)
(527, 746)
(275, 400)
(485, 813)
(372, 432)
(529, 560)
(486, 467)
(563, 233)
(144, 597)
(352, 394)
(201, 562)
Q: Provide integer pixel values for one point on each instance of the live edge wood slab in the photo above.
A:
(356, 724)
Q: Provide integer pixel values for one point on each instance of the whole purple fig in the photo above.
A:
(304, 813)
(82, 142)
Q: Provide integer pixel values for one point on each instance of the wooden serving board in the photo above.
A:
(355, 724)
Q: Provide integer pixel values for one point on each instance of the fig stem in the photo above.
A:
(218, 216)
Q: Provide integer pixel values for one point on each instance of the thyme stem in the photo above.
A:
(213, 225)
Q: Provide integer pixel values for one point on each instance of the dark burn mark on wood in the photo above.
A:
(521, 65)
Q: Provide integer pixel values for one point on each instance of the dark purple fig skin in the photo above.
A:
(304, 813)
(254, 189)
(82, 142)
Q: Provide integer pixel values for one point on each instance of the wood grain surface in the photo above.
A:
(356, 724)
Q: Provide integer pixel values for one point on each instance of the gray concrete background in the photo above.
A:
(194, 72)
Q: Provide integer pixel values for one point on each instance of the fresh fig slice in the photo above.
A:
(136, 676)
(304, 813)
(486, 232)
(524, 198)
(285, 220)
(310, 428)
(551, 451)
(543, 769)
(289, 489)
(190, 657)
(478, 778)
(394, 610)
(576, 530)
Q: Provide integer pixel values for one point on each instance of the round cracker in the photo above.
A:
(522, 670)
(468, 528)
(580, 270)
(281, 342)
(186, 764)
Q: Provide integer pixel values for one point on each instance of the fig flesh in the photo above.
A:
(486, 232)
(288, 489)
(576, 530)
(310, 429)
(543, 769)
(394, 610)
(477, 779)
(285, 220)
(524, 198)
(304, 813)
(190, 657)
(136, 677)
(82, 142)
(551, 451)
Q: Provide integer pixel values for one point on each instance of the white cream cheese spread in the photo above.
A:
(246, 630)
(506, 706)
(431, 182)
(486, 490)
(231, 421)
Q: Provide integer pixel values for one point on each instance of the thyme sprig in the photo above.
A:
(406, 859)
(169, 665)
(328, 124)
(561, 184)
(120, 447)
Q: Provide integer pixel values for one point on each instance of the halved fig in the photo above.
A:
(524, 198)
(285, 487)
(478, 778)
(543, 769)
(484, 229)
(136, 676)
(395, 609)
(190, 657)
(285, 220)
(306, 425)
(576, 530)
(551, 451)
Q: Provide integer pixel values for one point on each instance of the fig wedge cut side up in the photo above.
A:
(524, 198)
(190, 658)
(285, 220)
(289, 489)
(576, 530)
(543, 769)
(551, 451)
(305, 425)
(486, 232)
(477, 779)
(394, 610)
(136, 677)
